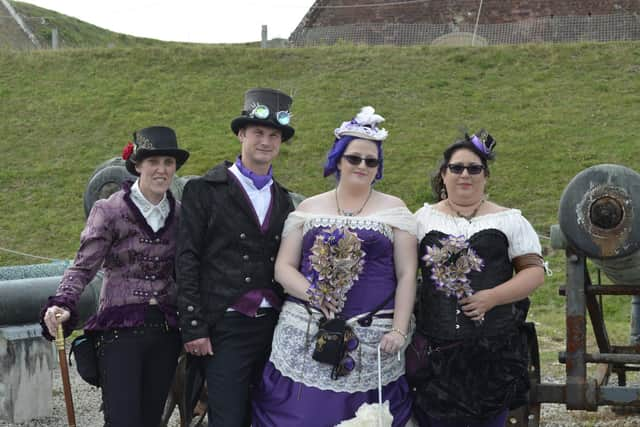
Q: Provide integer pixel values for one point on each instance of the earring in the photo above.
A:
(443, 193)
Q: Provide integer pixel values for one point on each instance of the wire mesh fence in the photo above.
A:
(558, 29)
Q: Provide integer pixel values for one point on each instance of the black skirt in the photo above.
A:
(475, 380)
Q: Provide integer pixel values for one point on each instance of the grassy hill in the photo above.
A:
(554, 110)
(73, 32)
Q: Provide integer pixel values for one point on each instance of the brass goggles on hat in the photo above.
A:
(262, 112)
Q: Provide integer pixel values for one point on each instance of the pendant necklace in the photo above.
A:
(349, 213)
(461, 215)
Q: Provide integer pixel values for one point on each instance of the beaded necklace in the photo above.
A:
(461, 215)
(349, 213)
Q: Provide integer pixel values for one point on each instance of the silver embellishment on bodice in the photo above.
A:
(362, 223)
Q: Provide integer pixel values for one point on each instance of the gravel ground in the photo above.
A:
(87, 401)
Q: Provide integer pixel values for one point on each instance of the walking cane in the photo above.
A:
(64, 370)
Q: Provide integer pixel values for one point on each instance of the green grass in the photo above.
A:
(555, 110)
(73, 33)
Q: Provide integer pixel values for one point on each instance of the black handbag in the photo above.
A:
(333, 338)
(331, 343)
(83, 348)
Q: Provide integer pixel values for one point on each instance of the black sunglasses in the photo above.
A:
(473, 169)
(356, 160)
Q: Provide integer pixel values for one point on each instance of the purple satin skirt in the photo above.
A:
(282, 402)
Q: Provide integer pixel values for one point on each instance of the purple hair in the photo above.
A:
(335, 154)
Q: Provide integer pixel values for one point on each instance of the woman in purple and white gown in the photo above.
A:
(295, 389)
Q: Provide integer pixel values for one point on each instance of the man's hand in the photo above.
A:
(199, 347)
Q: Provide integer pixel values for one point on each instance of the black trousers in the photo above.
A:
(137, 366)
(241, 347)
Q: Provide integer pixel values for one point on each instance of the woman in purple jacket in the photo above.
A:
(131, 236)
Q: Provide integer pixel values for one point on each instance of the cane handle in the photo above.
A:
(59, 334)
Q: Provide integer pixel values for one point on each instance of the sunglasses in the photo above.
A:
(473, 169)
(262, 112)
(356, 160)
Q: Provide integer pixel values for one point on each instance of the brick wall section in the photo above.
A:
(448, 11)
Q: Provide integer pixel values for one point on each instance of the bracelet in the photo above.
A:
(402, 334)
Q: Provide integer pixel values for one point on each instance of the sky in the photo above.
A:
(201, 21)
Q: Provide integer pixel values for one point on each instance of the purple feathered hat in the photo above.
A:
(483, 143)
(363, 126)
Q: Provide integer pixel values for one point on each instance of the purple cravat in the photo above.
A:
(258, 180)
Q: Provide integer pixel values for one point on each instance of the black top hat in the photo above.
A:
(155, 141)
(265, 107)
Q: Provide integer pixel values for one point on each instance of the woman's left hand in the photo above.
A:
(391, 342)
(478, 304)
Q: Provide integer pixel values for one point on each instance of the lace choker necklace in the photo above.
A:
(461, 215)
(350, 213)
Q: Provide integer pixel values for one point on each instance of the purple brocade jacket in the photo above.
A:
(137, 265)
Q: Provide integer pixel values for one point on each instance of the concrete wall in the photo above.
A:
(26, 362)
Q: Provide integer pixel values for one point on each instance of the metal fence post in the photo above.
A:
(54, 38)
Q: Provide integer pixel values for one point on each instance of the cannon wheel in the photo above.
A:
(529, 415)
(177, 398)
(104, 183)
(108, 178)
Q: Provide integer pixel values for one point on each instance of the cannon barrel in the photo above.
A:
(22, 299)
(33, 270)
(599, 217)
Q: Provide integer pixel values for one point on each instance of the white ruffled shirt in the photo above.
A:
(522, 237)
(155, 215)
(260, 198)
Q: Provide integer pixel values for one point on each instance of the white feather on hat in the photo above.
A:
(364, 125)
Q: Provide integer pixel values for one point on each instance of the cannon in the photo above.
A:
(599, 222)
(26, 358)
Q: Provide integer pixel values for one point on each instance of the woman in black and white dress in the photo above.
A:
(479, 262)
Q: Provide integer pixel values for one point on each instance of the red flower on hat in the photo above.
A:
(128, 149)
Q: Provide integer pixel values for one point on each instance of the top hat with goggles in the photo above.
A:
(265, 107)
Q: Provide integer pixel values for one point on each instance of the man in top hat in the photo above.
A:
(228, 238)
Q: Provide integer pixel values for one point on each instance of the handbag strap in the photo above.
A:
(366, 320)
